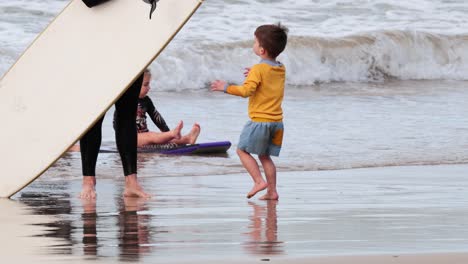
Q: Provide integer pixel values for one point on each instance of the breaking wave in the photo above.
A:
(369, 57)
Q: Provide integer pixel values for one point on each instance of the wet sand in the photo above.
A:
(452, 258)
(379, 215)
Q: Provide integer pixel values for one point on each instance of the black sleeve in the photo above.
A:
(156, 116)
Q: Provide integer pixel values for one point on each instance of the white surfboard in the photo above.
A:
(72, 74)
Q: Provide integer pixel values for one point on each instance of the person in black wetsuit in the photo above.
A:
(126, 138)
(145, 136)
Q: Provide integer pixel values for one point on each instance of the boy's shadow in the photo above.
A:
(263, 234)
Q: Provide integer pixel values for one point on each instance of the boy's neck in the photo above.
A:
(266, 57)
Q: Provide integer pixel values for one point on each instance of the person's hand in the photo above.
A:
(218, 85)
(246, 73)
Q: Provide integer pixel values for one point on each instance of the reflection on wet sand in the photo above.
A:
(263, 237)
(134, 228)
(54, 205)
(124, 228)
(89, 218)
(365, 211)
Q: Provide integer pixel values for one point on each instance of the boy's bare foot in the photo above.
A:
(133, 188)
(193, 134)
(177, 131)
(257, 188)
(88, 190)
(270, 196)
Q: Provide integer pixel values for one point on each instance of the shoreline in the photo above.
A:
(368, 215)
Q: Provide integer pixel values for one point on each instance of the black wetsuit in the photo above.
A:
(125, 134)
(145, 105)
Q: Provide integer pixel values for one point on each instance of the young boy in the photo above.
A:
(264, 86)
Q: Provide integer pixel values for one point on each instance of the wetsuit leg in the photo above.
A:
(125, 126)
(89, 146)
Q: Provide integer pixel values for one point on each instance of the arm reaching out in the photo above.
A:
(218, 86)
(251, 83)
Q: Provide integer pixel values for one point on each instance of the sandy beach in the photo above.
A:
(380, 215)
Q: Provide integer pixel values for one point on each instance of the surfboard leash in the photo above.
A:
(153, 4)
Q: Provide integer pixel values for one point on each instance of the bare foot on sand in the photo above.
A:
(193, 134)
(133, 188)
(257, 188)
(88, 190)
(270, 196)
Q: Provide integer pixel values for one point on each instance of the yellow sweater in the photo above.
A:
(265, 88)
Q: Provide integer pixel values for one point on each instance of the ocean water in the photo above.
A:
(330, 41)
(369, 83)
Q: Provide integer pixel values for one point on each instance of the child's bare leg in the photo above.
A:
(147, 138)
(191, 137)
(270, 173)
(88, 190)
(250, 164)
(74, 148)
(133, 187)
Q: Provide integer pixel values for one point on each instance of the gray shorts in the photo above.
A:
(262, 138)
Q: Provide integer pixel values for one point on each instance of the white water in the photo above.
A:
(358, 41)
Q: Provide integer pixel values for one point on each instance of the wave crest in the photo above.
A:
(367, 57)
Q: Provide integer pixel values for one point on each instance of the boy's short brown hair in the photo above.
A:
(272, 38)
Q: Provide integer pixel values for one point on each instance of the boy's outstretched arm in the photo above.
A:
(218, 86)
(248, 88)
